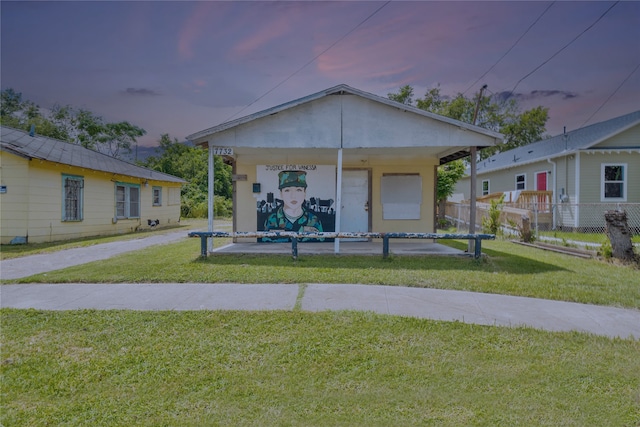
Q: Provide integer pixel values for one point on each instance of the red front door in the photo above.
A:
(541, 181)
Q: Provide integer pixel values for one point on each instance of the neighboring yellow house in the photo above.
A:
(362, 162)
(52, 190)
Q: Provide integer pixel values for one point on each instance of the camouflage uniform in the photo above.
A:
(279, 221)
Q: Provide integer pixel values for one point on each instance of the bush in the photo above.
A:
(222, 207)
(491, 224)
(606, 250)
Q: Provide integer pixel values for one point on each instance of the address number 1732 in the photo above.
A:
(222, 151)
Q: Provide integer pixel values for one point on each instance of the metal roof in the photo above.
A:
(339, 90)
(561, 145)
(53, 150)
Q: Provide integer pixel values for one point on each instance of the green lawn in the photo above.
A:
(14, 251)
(291, 368)
(508, 269)
(593, 238)
(122, 368)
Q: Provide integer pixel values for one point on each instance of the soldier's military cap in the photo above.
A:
(292, 179)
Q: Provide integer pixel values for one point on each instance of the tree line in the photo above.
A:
(497, 114)
(83, 127)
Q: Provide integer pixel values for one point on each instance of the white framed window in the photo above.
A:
(613, 182)
(485, 187)
(127, 200)
(521, 181)
(157, 196)
(72, 197)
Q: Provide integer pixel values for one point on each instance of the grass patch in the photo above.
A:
(306, 369)
(15, 251)
(508, 269)
(597, 238)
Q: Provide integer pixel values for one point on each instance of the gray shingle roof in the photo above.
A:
(560, 145)
(39, 147)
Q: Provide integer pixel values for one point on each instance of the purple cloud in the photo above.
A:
(140, 92)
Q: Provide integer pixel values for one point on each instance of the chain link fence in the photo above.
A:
(578, 224)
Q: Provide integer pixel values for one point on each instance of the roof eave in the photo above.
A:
(339, 89)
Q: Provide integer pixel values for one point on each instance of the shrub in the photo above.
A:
(491, 223)
(222, 207)
(606, 250)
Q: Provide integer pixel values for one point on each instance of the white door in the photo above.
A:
(354, 214)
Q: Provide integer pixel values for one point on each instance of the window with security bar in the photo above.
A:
(73, 197)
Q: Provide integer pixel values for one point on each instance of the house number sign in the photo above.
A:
(222, 151)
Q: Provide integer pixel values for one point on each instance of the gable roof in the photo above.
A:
(560, 145)
(39, 147)
(340, 89)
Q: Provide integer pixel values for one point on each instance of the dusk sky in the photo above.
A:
(179, 67)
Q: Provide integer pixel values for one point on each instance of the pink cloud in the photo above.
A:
(262, 36)
(193, 28)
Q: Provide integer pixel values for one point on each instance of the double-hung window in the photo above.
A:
(485, 187)
(157, 196)
(127, 200)
(521, 182)
(613, 180)
(72, 197)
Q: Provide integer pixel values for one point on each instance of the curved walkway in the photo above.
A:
(468, 307)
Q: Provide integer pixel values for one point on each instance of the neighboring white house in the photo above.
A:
(368, 163)
(53, 190)
(591, 169)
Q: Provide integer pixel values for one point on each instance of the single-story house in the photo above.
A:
(585, 172)
(53, 190)
(358, 163)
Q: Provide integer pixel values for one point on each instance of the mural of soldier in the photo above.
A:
(293, 214)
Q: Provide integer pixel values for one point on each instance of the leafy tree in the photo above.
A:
(88, 128)
(404, 96)
(68, 124)
(448, 175)
(119, 137)
(191, 164)
(22, 114)
(494, 114)
(497, 114)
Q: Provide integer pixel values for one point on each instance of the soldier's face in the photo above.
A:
(293, 196)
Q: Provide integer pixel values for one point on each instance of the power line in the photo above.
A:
(310, 62)
(611, 96)
(564, 47)
(511, 48)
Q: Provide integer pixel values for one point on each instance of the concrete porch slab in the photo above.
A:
(346, 248)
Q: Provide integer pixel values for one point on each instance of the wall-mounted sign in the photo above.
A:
(222, 151)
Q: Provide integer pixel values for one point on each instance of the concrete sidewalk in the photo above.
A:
(16, 268)
(467, 307)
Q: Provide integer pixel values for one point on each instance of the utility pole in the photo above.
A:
(473, 153)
